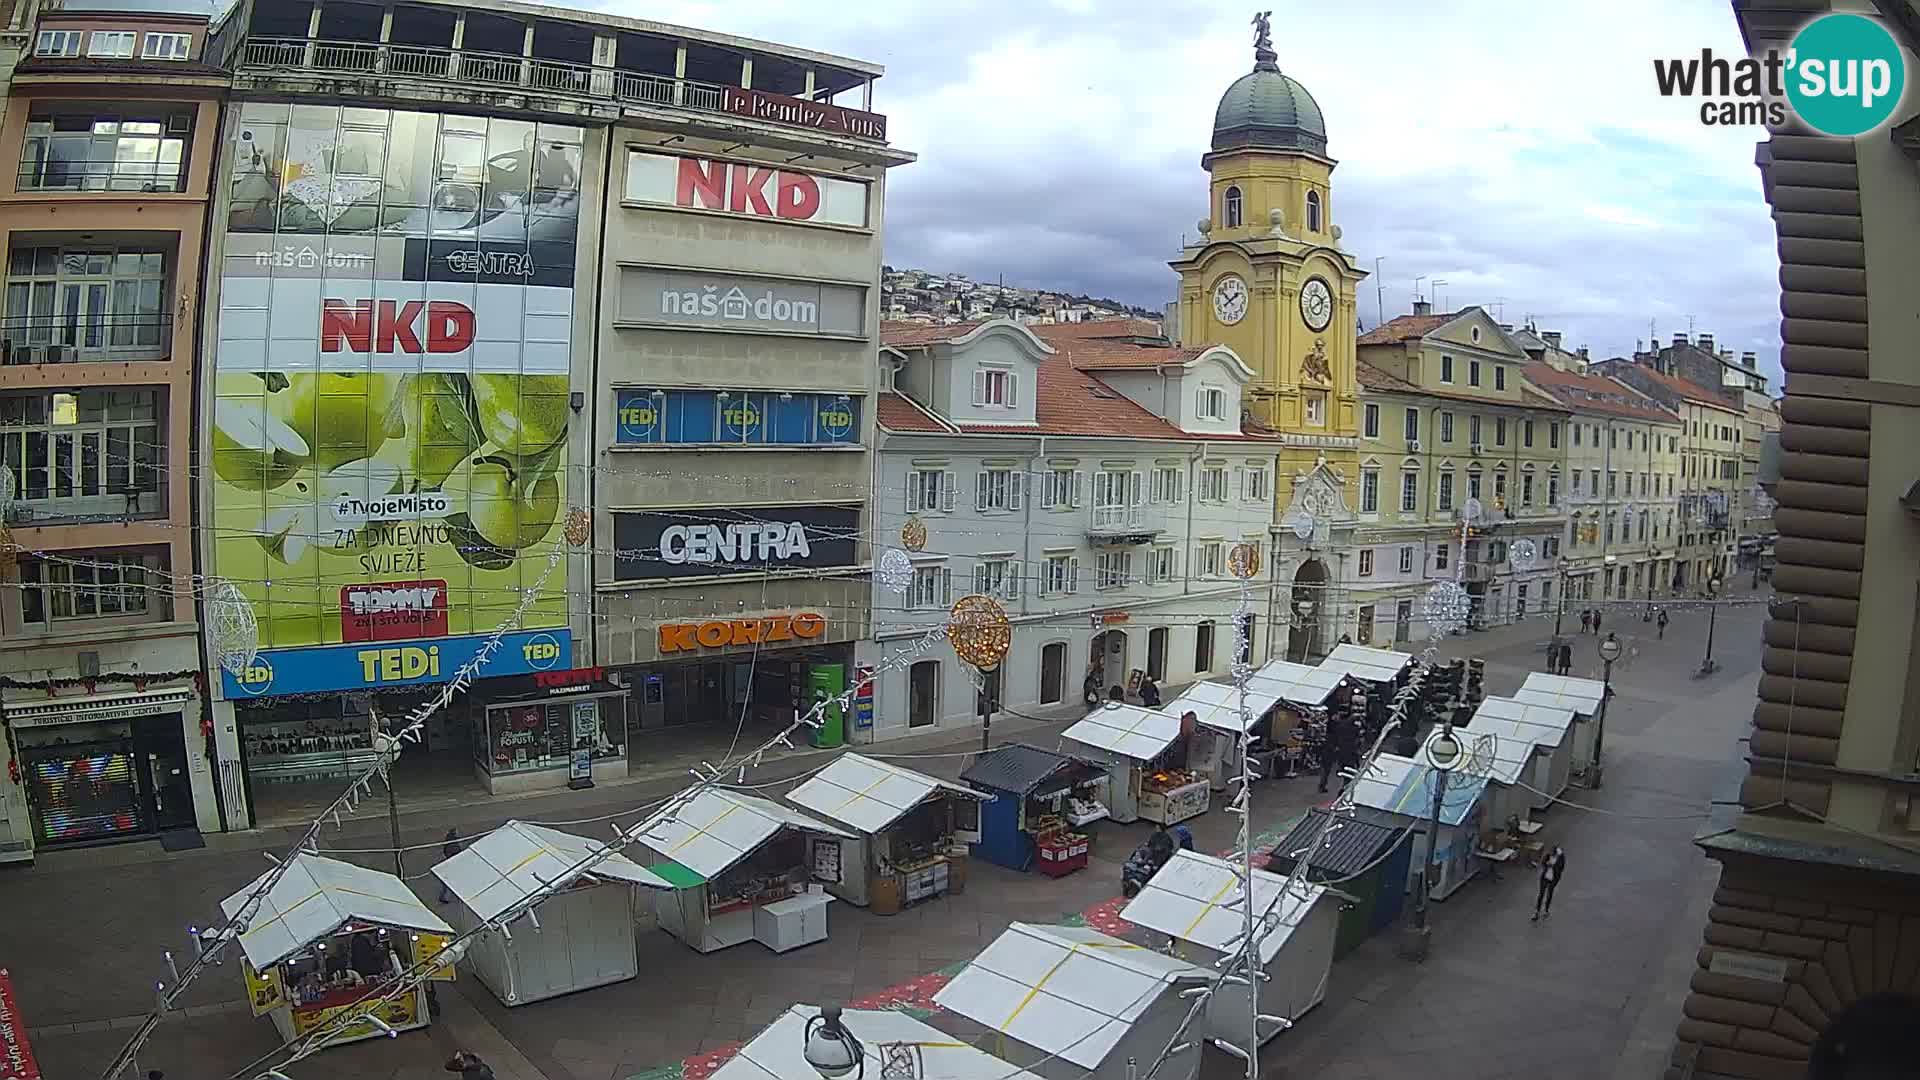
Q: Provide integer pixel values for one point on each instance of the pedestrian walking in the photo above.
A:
(1596, 620)
(1149, 692)
(1563, 658)
(1661, 622)
(448, 849)
(1551, 871)
(1586, 620)
(1333, 752)
(469, 1066)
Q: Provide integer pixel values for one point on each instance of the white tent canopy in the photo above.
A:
(1129, 730)
(778, 1052)
(1509, 749)
(1217, 705)
(1563, 692)
(718, 828)
(1365, 662)
(1298, 683)
(518, 859)
(315, 897)
(1187, 899)
(1547, 725)
(868, 795)
(1403, 786)
(1064, 990)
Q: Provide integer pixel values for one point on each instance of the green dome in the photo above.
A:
(1264, 109)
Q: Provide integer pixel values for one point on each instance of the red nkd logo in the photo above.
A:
(742, 189)
(366, 326)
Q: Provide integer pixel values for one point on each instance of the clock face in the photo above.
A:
(1230, 299)
(1316, 304)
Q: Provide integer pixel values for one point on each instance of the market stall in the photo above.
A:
(1138, 746)
(743, 869)
(1306, 694)
(1368, 860)
(1548, 727)
(910, 830)
(1038, 799)
(1398, 793)
(1366, 663)
(326, 939)
(1213, 746)
(580, 937)
(779, 1051)
(1187, 901)
(1073, 1003)
(1582, 696)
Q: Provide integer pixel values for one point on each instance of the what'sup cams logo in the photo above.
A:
(1843, 75)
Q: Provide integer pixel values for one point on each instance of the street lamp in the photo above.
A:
(1561, 609)
(1609, 652)
(1443, 754)
(831, 1049)
(1708, 666)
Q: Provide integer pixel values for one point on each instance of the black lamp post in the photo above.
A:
(1443, 753)
(1560, 608)
(1609, 652)
(1709, 666)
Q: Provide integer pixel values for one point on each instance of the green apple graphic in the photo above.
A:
(506, 507)
(522, 414)
(439, 420)
(343, 416)
(252, 448)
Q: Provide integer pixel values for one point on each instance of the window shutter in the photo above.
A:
(980, 577)
(1240, 480)
(946, 586)
(1014, 570)
(980, 490)
(979, 387)
(1138, 483)
(1079, 486)
(948, 492)
(1073, 575)
(1016, 490)
(914, 480)
(1013, 389)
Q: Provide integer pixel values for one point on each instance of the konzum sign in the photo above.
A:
(750, 190)
(721, 633)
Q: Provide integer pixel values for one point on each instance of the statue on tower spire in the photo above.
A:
(1263, 54)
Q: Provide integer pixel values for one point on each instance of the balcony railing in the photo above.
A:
(99, 174)
(1142, 522)
(467, 67)
(68, 339)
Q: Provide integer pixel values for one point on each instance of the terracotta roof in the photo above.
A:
(909, 334)
(1374, 379)
(1405, 327)
(1594, 393)
(1101, 353)
(1097, 328)
(1684, 388)
(900, 413)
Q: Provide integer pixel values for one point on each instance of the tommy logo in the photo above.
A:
(386, 326)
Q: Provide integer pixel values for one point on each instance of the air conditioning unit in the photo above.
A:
(1413, 446)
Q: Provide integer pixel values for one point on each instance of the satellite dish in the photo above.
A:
(1470, 510)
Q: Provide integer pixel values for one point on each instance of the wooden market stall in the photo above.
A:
(1139, 747)
(1368, 860)
(1073, 1003)
(1213, 744)
(1366, 663)
(1566, 692)
(743, 869)
(1546, 726)
(579, 937)
(1398, 793)
(779, 1051)
(910, 830)
(1186, 900)
(1039, 798)
(324, 942)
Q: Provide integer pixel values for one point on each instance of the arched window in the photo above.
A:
(1313, 211)
(1232, 211)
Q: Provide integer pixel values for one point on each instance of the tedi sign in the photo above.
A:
(1844, 75)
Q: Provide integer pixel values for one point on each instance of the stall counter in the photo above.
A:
(1173, 799)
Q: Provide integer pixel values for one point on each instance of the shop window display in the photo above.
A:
(539, 735)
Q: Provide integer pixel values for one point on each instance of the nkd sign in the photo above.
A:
(718, 302)
(732, 187)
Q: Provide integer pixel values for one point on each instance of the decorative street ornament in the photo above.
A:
(579, 527)
(1471, 511)
(1521, 555)
(1243, 561)
(1445, 608)
(233, 633)
(9, 553)
(977, 626)
(913, 534)
(894, 571)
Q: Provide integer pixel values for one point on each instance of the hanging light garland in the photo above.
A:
(1522, 554)
(894, 570)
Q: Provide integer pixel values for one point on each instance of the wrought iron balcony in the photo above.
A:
(1124, 524)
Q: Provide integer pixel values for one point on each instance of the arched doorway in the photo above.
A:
(1307, 609)
(1106, 664)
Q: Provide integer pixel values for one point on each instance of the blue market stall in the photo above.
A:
(1038, 797)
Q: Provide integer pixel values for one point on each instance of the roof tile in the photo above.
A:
(1404, 327)
(909, 334)
(901, 413)
(1097, 328)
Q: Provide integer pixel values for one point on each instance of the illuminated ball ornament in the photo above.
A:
(579, 527)
(1445, 608)
(1522, 555)
(977, 626)
(233, 633)
(1243, 561)
(894, 570)
(913, 535)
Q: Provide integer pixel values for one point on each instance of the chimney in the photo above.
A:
(1552, 338)
(1583, 352)
(1705, 342)
(1507, 326)
(1679, 340)
(1749, 361)
(1422, 307)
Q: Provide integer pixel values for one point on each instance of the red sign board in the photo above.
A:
(797, 112)
(392, 611)
(16, 1053)
(561, 680)
(387, 326)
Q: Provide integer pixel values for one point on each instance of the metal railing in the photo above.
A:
(432, 64)
(1123, 519)
(70, 339)
(98, 174)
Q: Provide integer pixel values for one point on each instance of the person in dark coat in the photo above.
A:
(1339, 748)
(1552, 869)
(1661, 622)
(1185, 836)
(1596, 620)
(469, 1066)
(1871, 1040)
(1586, 620)
(1149, 692)
(449, 849)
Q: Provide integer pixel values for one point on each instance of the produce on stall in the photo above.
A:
(1137, 745)
(910, 830)
(1026, 821)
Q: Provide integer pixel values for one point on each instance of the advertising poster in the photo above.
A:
(389, 427)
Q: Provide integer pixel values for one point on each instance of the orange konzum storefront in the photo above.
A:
(714, 672)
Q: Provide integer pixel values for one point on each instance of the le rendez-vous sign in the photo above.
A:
(781, 109)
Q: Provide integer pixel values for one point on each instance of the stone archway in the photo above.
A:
(1307, 611)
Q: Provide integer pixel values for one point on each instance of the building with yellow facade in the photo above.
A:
(1268, 278)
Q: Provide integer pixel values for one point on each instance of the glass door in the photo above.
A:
(160, 752)
(83, 314)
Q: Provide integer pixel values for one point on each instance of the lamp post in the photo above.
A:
(832, 1050)
(1443, 753)
(1609, 652)
(1561, 608)
(1708, 666)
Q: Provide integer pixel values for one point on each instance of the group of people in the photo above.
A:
(1151, 855)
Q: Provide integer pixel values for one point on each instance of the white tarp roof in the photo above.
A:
(1562, 691)
(1298, 683)
(866, 794)
(719, 828)
(517, 859)
(1510, 747)
(1217, 705)
(778, 1052)
(1186, 897)
(1546, 724)
(315, 897)
(1364, 662)
(1403, 786)
(1139, 733)
(1063, 990)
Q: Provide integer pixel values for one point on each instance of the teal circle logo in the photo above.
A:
(257, 677)
(1845, 74)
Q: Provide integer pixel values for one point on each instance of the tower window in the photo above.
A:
(1313, 211)
(1232, 212)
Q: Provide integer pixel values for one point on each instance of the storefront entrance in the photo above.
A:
(711, 698)
(105, 780)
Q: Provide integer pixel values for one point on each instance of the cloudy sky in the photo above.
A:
(1517, 150)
